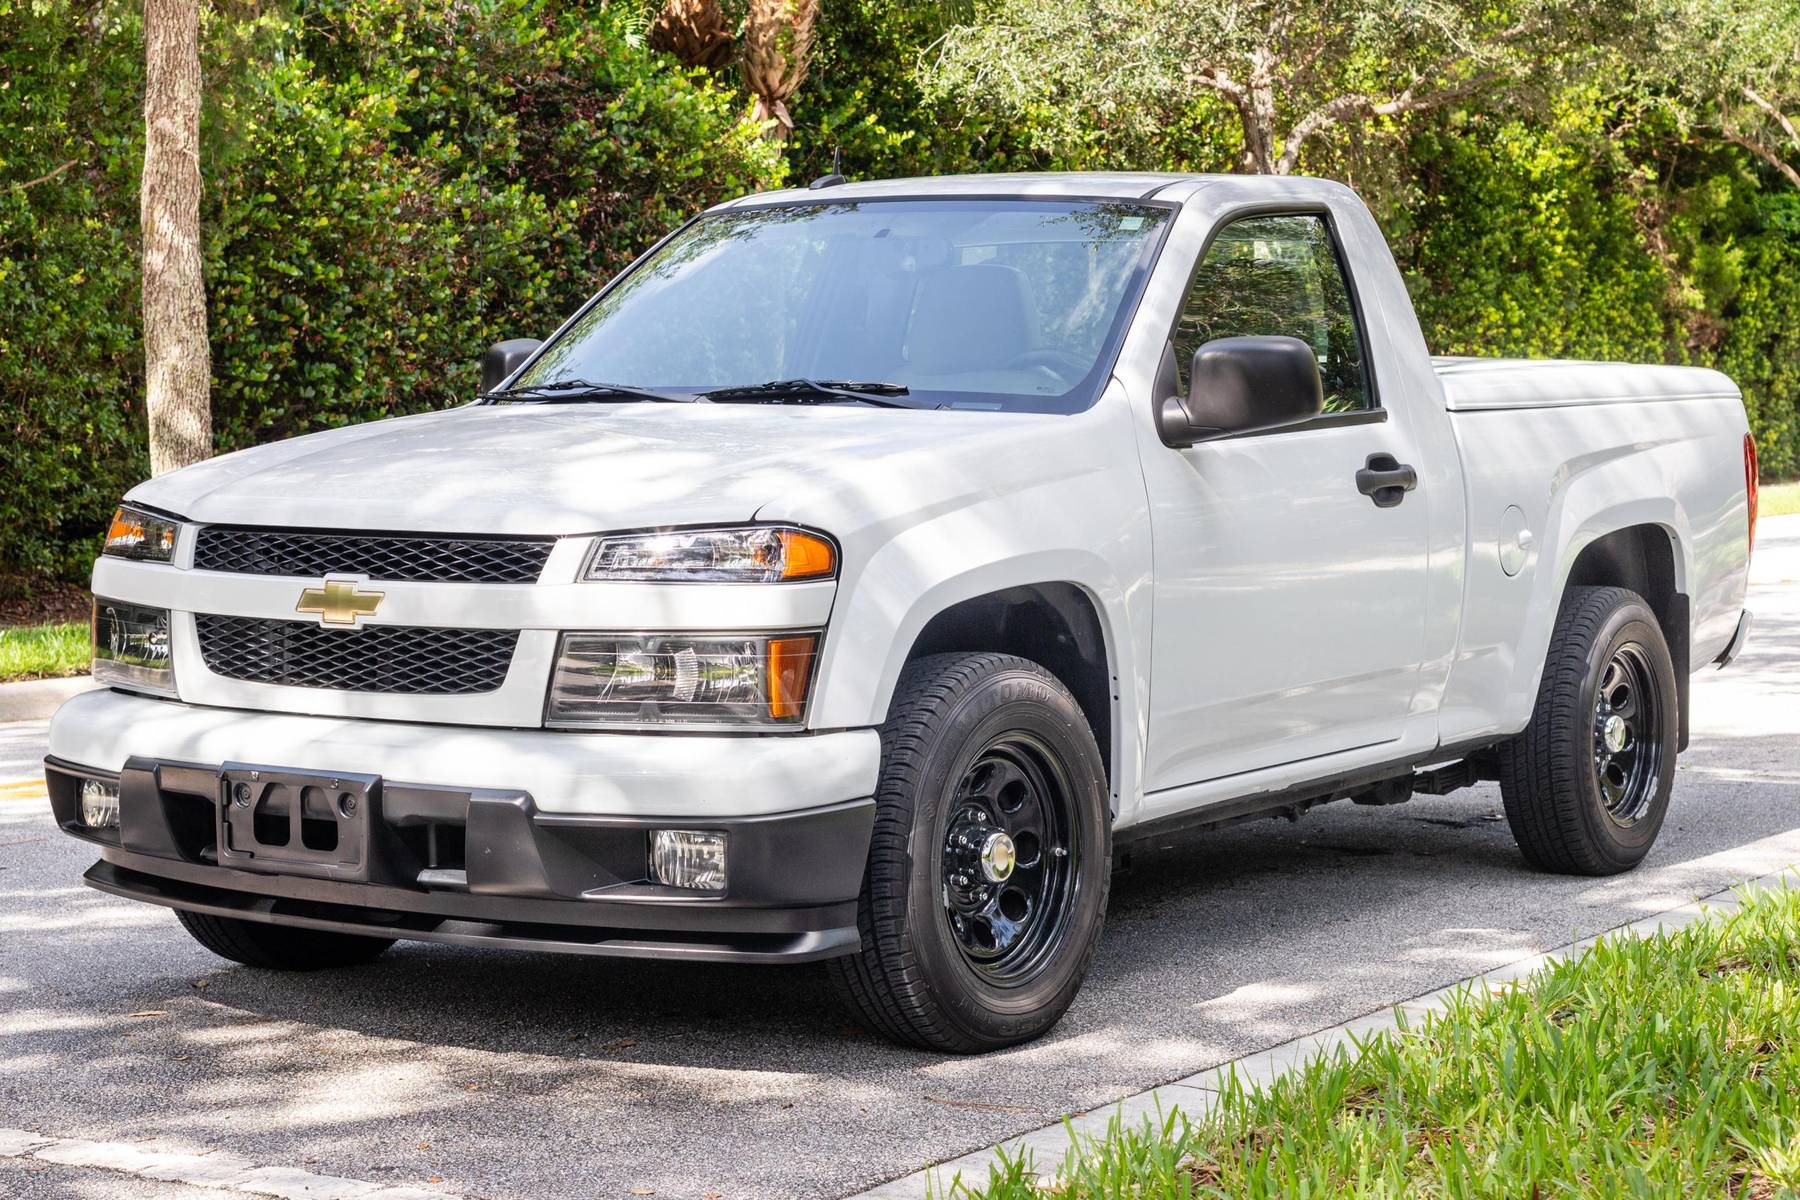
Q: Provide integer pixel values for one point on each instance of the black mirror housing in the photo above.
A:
(503, 358)
(1243, 385)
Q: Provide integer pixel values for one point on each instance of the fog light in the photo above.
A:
(99, 804)
(687, 858)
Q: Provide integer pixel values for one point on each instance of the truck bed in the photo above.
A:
(1566, 452)
(1479, 384)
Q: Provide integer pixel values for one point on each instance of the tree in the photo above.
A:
(1733, 69)
(1290, 71)
(694, 31)
(778, 38)
(177, 359)
(777, 42)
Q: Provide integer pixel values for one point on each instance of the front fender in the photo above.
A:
(1087, 527)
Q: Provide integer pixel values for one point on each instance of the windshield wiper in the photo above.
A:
(815, 391)
(574, 391)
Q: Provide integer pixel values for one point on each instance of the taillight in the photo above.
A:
(1750, 480)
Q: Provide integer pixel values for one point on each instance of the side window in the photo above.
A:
(1278, 276)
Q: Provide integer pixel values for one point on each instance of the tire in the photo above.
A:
(1582, 797)
(280, 947)
(955, 955)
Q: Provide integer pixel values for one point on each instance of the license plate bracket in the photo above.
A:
(296, 822)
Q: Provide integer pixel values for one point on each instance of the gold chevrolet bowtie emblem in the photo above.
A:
(338, 602)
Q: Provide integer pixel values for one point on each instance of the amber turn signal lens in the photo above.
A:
(790, 664)
(124, 529)
(805, 555)
(140, 535)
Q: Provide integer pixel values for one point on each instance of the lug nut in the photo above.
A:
(241, 793)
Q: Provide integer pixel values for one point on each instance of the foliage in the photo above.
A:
(1287, 71)
(865, 102)
(1645, 1067)
(1762, 350)
(1727, 69)
(390, 186)
(70, 408)
(1520, 239)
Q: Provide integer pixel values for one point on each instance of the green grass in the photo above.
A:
(1778, 499)
(1654, 1067)
(39, 651)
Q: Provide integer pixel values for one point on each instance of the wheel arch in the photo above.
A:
(1056, 624)
(1637, 541)
(1645, 558)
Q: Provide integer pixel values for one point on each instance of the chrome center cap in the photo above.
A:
(1613, 732)
(997, 858)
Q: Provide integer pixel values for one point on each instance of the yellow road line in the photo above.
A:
(21, 785)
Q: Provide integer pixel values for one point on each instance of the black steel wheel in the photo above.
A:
(1587, 783)
(1010, 850)
(990, 860)
(1627, 746)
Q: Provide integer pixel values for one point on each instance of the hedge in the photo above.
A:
(393, 184)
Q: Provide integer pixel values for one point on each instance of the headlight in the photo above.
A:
(753, 554)
(655, 679)
(131, 647)
(137, 534)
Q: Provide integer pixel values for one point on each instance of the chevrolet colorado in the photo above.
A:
(859, 568)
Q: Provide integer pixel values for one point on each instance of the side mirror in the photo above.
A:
(1243, 385)
(503, 358)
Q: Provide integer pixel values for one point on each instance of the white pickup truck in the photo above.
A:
(860, 569)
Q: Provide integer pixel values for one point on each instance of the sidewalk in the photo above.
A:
(35, 699)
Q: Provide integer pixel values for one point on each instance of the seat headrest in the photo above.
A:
(969, 317)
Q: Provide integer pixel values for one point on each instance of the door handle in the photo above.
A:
(1386, 480)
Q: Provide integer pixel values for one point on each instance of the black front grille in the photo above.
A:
(376, 658)
(401, 558)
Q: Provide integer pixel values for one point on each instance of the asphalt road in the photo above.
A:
(518, 1076)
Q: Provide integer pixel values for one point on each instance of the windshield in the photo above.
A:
(984, 304)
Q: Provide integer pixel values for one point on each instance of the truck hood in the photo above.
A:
(583, 468)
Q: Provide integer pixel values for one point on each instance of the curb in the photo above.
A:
(36, 699)
(1051, 1145)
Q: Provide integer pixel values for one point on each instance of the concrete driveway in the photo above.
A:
(509, 1075)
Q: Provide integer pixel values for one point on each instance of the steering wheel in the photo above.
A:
(1063, 366)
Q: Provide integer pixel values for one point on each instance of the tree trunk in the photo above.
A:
(694, 31)
(778, 37)
(1257, 110)
(1258, 155)
(177, 359)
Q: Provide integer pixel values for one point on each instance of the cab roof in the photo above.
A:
(1065, 185)
(1087, 185)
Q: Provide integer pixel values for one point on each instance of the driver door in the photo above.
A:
(1289, 606)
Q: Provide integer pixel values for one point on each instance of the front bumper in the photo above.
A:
(695, 776)
(464, 856)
